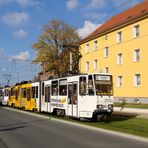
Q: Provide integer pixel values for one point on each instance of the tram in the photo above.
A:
(78, 96)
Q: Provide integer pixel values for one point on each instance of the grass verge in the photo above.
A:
(132, 105)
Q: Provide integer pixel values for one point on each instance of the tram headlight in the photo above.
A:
(99, 106)
(110, 106)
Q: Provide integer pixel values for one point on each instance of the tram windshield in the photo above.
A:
(103, 84)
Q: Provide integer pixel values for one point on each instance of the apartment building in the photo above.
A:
(120, 47)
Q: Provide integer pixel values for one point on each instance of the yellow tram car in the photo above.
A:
(14, 96)
(29, 96)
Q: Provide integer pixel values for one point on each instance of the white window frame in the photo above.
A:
(137, 79)
(137, 55)
(87, 66)
(106, 69)
(136, 31)
(95, 45)
(119, 59)
(119, 37)
(120, 81)
(87, 48)
(106, 51)
(95, 64)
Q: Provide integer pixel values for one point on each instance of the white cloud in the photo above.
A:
(125, 4)
(22, 2)
(96, 4)
(95, 16)
(71, 4)
(28, 2)
(88, 28)
(4, 69)
(15, 19)
(20, 34)
(22, 56)
(1, 50)
(5, 1)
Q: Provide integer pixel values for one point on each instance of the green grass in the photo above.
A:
(131, 125)
(132, 105)
(120, 123)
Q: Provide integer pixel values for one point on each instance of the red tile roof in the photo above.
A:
(120, 19)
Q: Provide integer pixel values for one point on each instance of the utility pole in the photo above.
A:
(7, 77)
(71, 61)
(71, 49)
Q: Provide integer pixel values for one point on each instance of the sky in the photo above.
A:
(22, 22)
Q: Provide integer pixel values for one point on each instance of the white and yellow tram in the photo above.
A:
(79, 96)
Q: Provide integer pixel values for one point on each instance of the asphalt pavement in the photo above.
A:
(25, 130)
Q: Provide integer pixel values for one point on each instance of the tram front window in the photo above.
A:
(103, 89)
(103, 86)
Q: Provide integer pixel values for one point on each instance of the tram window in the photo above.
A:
(12, 92)
(33, 92)
(54, 85)
(63, 87)
(24, 93)
(47, 94)
(70, 94)
(90, 85)
(75, 94)
(43, 89)
(36, 91)
(6, 93)
(16, 94)
(1, 92)
(28, 94)
(82, 85)
(103, 86)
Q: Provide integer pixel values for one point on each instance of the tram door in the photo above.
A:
(47, 98)
(72, 99)
(28, 98)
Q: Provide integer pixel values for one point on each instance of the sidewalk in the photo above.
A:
(142, 113)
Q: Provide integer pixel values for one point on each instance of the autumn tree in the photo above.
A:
(54, 47)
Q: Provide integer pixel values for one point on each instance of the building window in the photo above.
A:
(106, 69)
(136, 55)
(87, 48)
(136, 31)
(120, 81)
(119, 59)
(119, 37)
(106, 52)
(95, 45)
(137, 79)
(87, 66)
(95, 64)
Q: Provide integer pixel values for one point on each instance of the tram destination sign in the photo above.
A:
(103, 78)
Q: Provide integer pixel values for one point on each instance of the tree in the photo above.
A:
(54, 46)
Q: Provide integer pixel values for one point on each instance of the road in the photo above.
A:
(19, 130)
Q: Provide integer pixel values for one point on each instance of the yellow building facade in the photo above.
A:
(120, 47)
